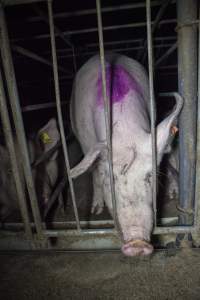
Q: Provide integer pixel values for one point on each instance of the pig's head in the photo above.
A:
(132, 166)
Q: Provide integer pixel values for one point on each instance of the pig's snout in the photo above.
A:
(137, 248)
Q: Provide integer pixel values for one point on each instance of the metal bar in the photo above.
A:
(33, 107)
(81, 12)
(95, 29)
(11, 149)
(60, 34)
(166, 54)
(59, 112)
(129, 41)
(107, 111)
(156, 22)
(36, 57)
(197, 185)
(152, 109)
(187, 82)
(15, 106)
(116, 49)
(98, 233)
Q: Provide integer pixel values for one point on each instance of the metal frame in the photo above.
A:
(80, 238)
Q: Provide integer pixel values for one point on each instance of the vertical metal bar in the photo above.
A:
(187, 81)
(59, 112)
(11, 149)
(197, 186)
(106, 110)
(17, 117)
(152, 108)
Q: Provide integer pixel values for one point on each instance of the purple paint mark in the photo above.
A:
(118, 84)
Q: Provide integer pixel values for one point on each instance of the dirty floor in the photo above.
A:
(165, 275)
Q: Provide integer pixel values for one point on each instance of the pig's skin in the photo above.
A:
(128, 89)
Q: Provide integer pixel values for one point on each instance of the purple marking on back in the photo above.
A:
(118, 84)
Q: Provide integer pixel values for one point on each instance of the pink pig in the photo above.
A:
(128, 91)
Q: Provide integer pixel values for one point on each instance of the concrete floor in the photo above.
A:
(165, 275)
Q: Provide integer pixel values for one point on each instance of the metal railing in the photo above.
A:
(84, 233)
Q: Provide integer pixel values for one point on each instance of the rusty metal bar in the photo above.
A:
(59, 111)
(107, 111)
(18, 122)
(187, 81)
(13, 159)
(36, 57)
(152, 109)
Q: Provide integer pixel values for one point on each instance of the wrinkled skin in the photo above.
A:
(45, 175)
(128, 90)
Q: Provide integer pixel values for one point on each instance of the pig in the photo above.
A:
(45, 174)
(128, 90)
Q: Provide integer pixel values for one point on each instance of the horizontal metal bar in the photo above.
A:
(124, 49)
(36, 57)
(95, 29)
(167, 53)
(130, 41)
(81, 12)
(33, 107)
(99, 224)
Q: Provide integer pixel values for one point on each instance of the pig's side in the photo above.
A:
(128, 90)
(45, 175)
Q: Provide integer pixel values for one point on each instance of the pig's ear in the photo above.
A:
(49, 136)
(166, 129)
(88, 160)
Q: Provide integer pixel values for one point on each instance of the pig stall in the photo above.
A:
(53, 170)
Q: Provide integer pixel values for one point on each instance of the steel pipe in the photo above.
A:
(13, 159)
(107, 111)
(152, 109)
(187, 82)
(166, 55)
(59, 111)
(18, 122)
(95, 29)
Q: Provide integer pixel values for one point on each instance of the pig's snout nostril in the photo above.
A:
(137, 248)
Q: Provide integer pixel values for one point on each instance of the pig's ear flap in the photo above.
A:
(167, 129)
(88, 160)
(48, 136)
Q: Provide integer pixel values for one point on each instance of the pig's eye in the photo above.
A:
(9, 171)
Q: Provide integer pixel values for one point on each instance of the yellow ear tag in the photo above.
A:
(174, 130)
(45, 138)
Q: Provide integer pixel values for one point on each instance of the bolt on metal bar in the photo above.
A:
(152, 109)
(13, 159)
(156, 22)
(36, 57)
(59, 112)
(166, 54)
(95, 29)
(18, 122)
(107, 110)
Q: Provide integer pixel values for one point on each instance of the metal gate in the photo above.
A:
(103, 234)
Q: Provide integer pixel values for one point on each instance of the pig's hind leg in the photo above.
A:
(98, 201)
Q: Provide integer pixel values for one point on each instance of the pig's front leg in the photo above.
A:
(98, 201)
